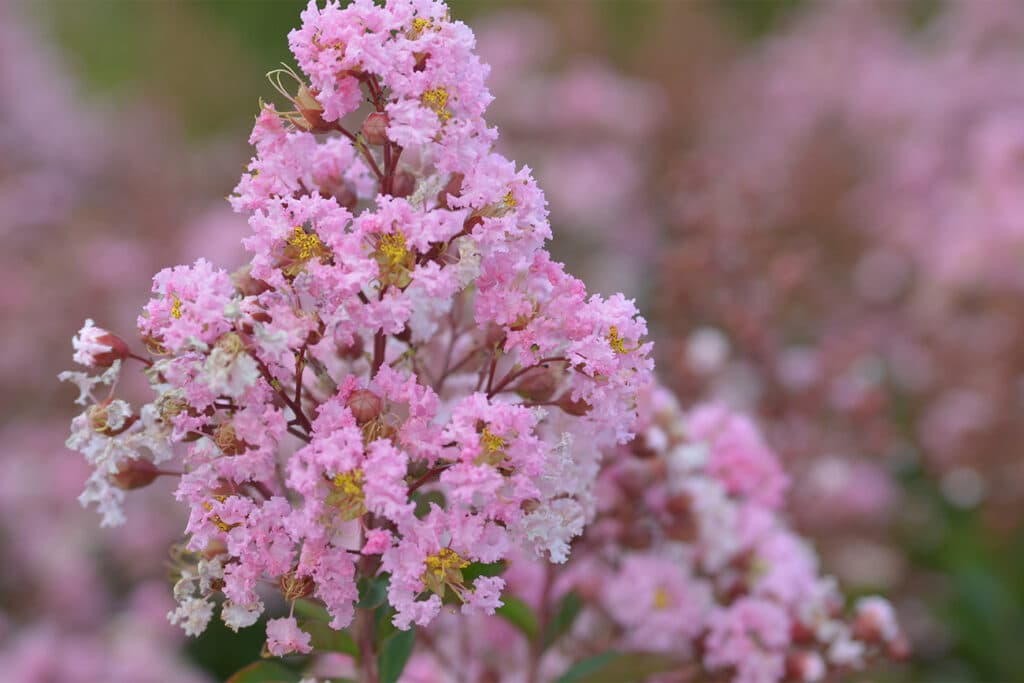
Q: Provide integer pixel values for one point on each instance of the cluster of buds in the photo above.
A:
(401, 383)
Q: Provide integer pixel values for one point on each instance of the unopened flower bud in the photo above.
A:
(375, 128)
(246, 284)
(453, 188)
(96, 347)
(805, 667)
(875, 621)
(494, 336)
(365, 405)
(637, 537)
(404, 185)
(899, 648)
(537, 384)
(801, 633)
(349, 346)
(134, 474)
(579, 407)
(345, 194)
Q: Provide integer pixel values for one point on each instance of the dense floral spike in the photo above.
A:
(400, 380)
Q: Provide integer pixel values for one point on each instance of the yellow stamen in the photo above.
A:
(492, 449)
(348, 495)
(419, 25)
(175, 307)
(509, 199)
(392, 246)
(662, 600)
(492, 442)
(217, 521)
(350, 483)
(444, 569)
(306, 243)
(437, 100)
(445, 560)
(617, 343)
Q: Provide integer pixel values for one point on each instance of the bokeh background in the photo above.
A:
(818, 205)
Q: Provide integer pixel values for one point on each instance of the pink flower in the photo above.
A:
(739, 456)
(284, 637)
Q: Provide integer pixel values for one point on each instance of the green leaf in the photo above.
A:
(264, 672)
(311, 610)
(423, 499)
(614, 667)
(568, 609)
(519, 614)
(373, 591)
(382, 622)
(326, 639)
(478, 569)
(394, 654)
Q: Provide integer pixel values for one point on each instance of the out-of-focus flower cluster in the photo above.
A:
(688, 572)
(401, 380)
(586, 128)
(854, 199)
(76, 604)
(63, 584)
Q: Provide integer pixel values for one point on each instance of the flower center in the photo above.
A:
(348, 495)
(307, 244)
(492, 448)
(437, 101)
(444, 569)
(392, 247)
(617, 343)
(175, 307)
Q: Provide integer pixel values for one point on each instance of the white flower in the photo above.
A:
(193, 614)
(240, 616)
(108, 499)
(552, 526)
(87, 344)
(85, 382)
(229, 371)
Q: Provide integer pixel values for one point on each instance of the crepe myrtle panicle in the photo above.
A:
(400, 382)
(687, 572)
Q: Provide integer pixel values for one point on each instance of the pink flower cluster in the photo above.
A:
(400, 381)
(687, 565)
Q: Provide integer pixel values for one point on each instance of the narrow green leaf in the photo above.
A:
(373, 591)
(382, 622)
(519, 614)
(585, 667)
(614, 667)
(326, 639)
(568, 609)
(478, 569)
(264, 672)
(311, 610)
(394, 654)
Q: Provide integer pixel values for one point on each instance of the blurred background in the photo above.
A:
(818, 205)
